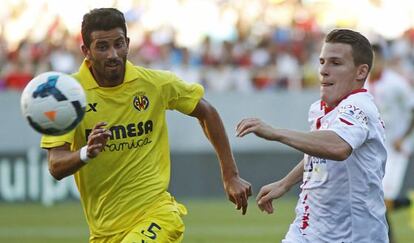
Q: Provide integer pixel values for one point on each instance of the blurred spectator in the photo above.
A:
(288, 70)
(18, 73)
(219, 76)
(62, 59)
(186, 69)
(149, 52)
(253, 45)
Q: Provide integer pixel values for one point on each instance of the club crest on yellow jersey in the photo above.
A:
(140, 101)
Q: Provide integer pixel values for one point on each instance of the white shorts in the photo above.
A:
(395, 170)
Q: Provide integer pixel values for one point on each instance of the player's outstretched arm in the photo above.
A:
(238, 190)
(323, 144)
(63, 162)
(278, 188)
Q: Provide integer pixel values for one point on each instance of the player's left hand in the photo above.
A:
(269, 192)
(238, 191)
(97, 139)
(256, 126)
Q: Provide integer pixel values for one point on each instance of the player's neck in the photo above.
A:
(103, 82)
(331, 105)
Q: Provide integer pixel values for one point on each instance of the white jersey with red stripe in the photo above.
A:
(343, 201)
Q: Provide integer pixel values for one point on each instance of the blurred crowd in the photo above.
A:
(256, 54)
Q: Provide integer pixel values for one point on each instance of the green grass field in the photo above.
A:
(208, 221)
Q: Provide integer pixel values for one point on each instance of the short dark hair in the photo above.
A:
(101, 19)
(361, 47)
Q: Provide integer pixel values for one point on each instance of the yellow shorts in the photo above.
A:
(161, 224)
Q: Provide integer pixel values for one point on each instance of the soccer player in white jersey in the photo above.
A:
(342, 197)
(395, 100)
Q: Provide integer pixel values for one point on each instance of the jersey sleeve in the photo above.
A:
(180, 95)
(351, 124)
(56, 141)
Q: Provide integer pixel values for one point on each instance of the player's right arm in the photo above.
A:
(278, 188)
(320, 143)
(63, 162)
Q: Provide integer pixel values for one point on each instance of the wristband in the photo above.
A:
(83, 154)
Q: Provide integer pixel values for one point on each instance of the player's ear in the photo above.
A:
(85, 51)
(362, 72)
(127, 41)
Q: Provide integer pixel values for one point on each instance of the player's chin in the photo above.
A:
(114, 75)
(323, 90)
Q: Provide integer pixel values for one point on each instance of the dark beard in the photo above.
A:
(114, 76)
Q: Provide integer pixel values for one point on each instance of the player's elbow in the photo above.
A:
(55, 171)
(56, 175)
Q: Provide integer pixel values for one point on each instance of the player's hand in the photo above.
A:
(238, 191)
(97, 139)
(269, 192)
(256, 126)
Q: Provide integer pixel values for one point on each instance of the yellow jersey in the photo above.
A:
(133, 170)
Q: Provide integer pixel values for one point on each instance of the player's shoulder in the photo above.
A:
(361, 104)
(151, 71)
(316, 107)
(155, 76)
(315, 110)
(77, 76)
(363, 98)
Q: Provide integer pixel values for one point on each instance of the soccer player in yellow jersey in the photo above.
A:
(119, 154)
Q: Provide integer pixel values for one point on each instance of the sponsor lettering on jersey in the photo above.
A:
(354, 112)
(132, 131)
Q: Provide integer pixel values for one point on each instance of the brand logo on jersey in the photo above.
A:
(355, 112)
(311, 162)
(140, 102)
(92, 107)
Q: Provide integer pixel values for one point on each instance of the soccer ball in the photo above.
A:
(53, 103)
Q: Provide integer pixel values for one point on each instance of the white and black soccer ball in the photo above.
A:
(53, 103)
